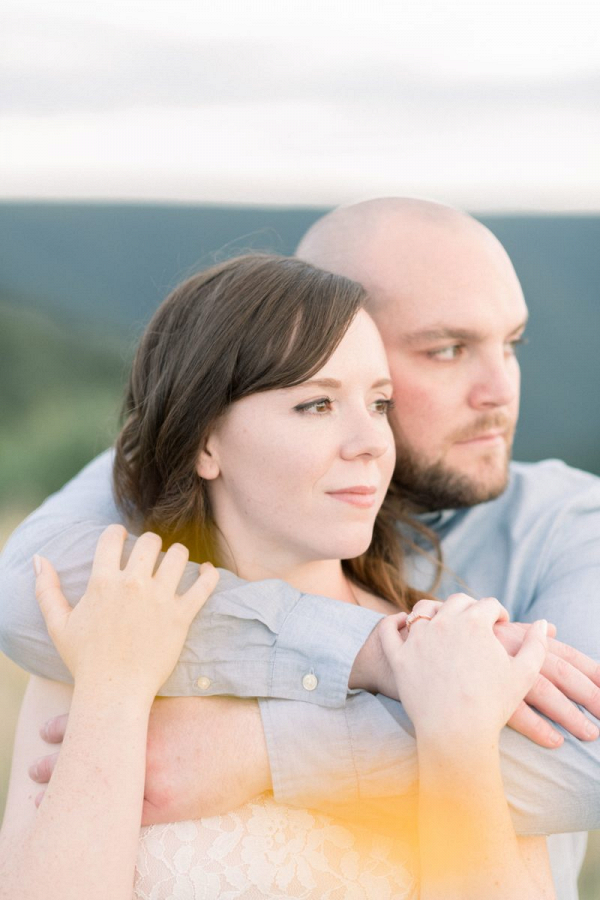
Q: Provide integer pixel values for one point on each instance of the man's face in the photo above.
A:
(451, 321)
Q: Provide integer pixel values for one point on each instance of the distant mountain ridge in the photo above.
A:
(107, 266)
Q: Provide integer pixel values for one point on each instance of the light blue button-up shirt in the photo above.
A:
(536, 548)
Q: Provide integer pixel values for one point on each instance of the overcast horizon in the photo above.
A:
(489, 107)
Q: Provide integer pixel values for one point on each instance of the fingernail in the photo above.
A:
(591, 730)
(544, 626)
(556, 738)
(33, 770)
(37, 564)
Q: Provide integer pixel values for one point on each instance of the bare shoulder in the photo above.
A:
(371, 601)
(43, 699)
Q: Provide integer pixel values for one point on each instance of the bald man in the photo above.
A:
(451, 312)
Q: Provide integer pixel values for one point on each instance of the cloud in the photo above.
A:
(56, 64)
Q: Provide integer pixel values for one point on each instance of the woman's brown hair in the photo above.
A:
(254, 323)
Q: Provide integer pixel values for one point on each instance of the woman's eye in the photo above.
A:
(383, 406)
(322, 405)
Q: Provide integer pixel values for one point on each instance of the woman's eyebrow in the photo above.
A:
(336, 385)
(321, 382)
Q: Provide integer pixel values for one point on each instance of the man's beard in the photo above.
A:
(433, 486)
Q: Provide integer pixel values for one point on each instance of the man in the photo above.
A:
(451, 311)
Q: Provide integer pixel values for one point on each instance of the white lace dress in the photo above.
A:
(264, 850)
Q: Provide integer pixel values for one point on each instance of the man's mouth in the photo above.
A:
(487, 437)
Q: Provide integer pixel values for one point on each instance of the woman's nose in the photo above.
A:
(369, 437)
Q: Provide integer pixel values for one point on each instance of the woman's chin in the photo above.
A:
(351, 547)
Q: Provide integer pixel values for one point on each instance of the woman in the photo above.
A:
(257, 436)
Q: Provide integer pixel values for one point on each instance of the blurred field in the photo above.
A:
(12, 681)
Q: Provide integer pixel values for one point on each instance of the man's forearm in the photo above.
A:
(371, 764)
(205, 757)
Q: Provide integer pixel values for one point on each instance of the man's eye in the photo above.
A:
(383, 406)
(513, 346)
(315, 407)
(447, 353)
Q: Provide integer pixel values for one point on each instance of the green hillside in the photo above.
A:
(61, 392)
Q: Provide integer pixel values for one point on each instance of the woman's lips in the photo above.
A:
(362, 496)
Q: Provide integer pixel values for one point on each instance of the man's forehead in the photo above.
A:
(467, 316)
(443, 332)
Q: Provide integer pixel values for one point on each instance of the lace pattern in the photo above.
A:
(264, 850)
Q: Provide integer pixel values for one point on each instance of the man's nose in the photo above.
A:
(497, 382)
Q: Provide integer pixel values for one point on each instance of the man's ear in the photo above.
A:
(207, 464)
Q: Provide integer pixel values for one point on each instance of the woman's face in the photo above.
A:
(298, 474)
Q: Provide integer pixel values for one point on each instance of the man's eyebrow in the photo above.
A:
(440, 334)
(443, 333)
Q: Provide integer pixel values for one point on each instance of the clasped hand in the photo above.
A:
(567, 677)
(454, 677)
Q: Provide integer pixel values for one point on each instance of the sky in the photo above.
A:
(491, 106)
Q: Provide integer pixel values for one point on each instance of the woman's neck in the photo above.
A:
(323, 576)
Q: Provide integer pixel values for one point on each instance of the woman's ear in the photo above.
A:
(207, 465)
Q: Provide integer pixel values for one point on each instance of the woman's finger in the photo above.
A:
(427, 607)
(171, 567)
(197, 595)
(491, 610)
(144, 554)
(455, 604)
(389, 635)
(422, 611)
(109, 550)
(51, 599)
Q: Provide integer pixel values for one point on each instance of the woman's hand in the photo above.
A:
(455, 679)
(130, 625)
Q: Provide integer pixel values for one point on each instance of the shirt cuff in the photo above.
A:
(267, 639)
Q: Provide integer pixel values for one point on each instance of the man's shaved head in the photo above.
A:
(355, 240)
(450, 309)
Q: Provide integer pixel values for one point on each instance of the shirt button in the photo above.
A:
(309, 682)
(204, 682)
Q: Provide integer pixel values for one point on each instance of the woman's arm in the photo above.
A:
(120, 643)
(468, 846)
(83, 839)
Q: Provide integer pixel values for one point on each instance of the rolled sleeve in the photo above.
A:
(266, 639)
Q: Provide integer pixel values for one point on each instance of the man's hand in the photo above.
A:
(205, 757)
(567, 677)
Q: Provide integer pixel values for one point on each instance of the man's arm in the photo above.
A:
(361, 747)
(359, 762)
(251, 640)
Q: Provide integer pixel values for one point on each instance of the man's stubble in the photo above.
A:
(433, 486)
